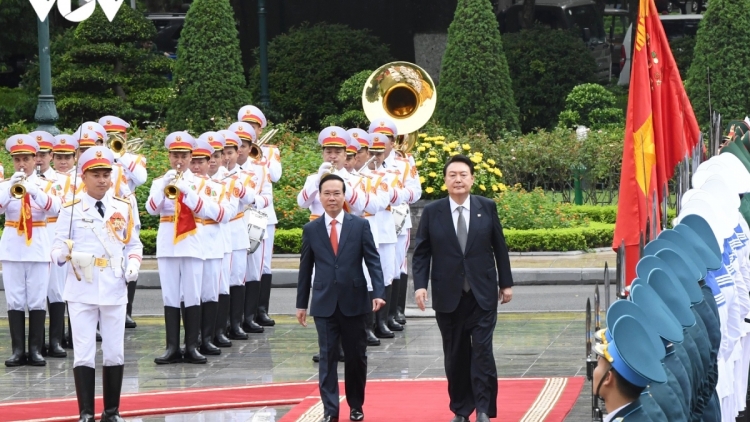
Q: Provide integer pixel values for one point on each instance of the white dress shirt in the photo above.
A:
(339, 222)
(466, 212)
(612, 414)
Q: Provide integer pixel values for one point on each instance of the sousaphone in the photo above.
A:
(404, 92)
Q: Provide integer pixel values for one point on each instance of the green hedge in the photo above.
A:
(608, 213)
(596, 235)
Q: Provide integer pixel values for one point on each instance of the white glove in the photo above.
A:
(324, 168)
(169, 176)
(190, 198)
(125, 160)
(131, 273)
(184, 186)
(31, 188)
(17, 177)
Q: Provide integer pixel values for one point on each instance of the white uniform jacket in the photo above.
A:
(133, 169)
(263, 189)
(408, 180)
(356, 198)
(243, 187)
(210, 231)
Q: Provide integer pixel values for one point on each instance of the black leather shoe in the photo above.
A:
(459, 418)
(482, 417)
(393, 325)
(356, 415)
(371, 339)
(329, 419)
(316, 357)
(172, 324)
(400, 317)
(17, 323)
(191, 320)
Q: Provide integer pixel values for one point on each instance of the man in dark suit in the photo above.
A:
(460, 243)
(335, 245)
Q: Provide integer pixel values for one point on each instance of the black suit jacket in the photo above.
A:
(339, 279)
(438, 253)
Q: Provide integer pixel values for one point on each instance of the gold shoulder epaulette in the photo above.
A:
(69, 203)
(122, 199)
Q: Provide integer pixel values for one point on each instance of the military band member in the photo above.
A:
(263, 201)
(25, 249)
(104, 253)
(179, 251)
(87, 138)
(242, 186)
(212, 235)
(406, 172)
(63, 182)
(44, 156)
(387, 236)
(101, 133)
(271, 159)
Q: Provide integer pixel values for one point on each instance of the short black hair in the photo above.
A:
(459, 158)
(628, 390)
(331, 176)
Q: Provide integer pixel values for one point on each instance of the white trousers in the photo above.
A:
(26, 285)
(255, 264)
(402, 245)
(238, 267)
(180, 278)
(387, 253)
(57, 275)
(268, 248)
(111, 320)
(211, 280)
(226, 270)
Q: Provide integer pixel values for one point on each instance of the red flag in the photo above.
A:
(25, 223)
(184, 221)
(660, 130)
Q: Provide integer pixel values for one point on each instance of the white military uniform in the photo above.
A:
(226, 233)
(263, 202)
(409, 180)
(63, 187)
(101, 294)
(242, 186)
(272, 162)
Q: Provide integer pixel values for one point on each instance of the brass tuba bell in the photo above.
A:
(404, 92)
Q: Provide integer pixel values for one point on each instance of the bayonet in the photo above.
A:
(606, 286)
(597, 308)
(589, 336)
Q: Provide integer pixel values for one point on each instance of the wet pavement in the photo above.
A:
(525, 344)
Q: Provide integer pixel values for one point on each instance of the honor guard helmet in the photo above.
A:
(252, 114)
(44, 139)
(21, 144)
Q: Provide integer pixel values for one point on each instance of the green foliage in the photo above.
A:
(300, 157)
(519, 209)
(208, 75)
(545, 64)
(104, 68)
(350, 103)
(307, 66)
(683, 49)
(724, 29)
(14, 105)
(287, 241)
(475, 86)
(595, 235)
(18, 37)
(148, 238)
(590, 105)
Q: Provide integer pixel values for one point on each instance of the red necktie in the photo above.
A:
(334, 237)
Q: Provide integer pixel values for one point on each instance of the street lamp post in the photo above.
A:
(265, 100)
(46, 112)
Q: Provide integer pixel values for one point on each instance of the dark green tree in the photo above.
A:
(475, 88)
(110, 68)
(307, 66)
(18, 20)
(208, 76)
(726, 24)
(350, 102)
(545, 64)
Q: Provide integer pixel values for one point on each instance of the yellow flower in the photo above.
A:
(453, 144)
(443, 188)
(422, 135)
(494, 188)
(454, 153)
(446, 149)
(498, 173)
(427, 145)
(432, 160)
(432, 174)
(485, 165)
(475, 160)
(429, 190)
(440, 138)
(491, 161)
(482, 187)
(419, 163)
(421, 149)
(433, 153)
(466, 147)
(421, 179)
(502, 187)
(439, 142)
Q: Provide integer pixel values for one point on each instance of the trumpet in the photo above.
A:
(120, 146)
(256, 152)
(18, 190)
(171, 191)
(364, 166)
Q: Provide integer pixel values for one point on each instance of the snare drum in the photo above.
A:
(256, 222)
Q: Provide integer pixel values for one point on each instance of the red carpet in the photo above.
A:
(520, 399)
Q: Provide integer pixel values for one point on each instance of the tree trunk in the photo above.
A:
(528, 13)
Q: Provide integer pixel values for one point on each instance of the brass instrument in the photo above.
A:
(404, 92)
(18, 190)
(120, 146)
(171, 191)
(364, 166)
(256, 153)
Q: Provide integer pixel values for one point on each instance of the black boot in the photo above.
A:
(252, 293)
(56, 330)
(371, 339)
(220, 339)
(172, 325)
(85, 380)
(111, 387)
(192, 326)
(129, 323)
(17, 324)
(98, 334)
(68, 343)
(236, 308)
(262, 317)
(208, 325)
(391, 294)
(381, 318)
(36, 337)
(401, 308)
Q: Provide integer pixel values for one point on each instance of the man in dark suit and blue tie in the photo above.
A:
(460, 247)
(335, 245)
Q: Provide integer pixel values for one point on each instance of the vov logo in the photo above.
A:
(85, 10)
